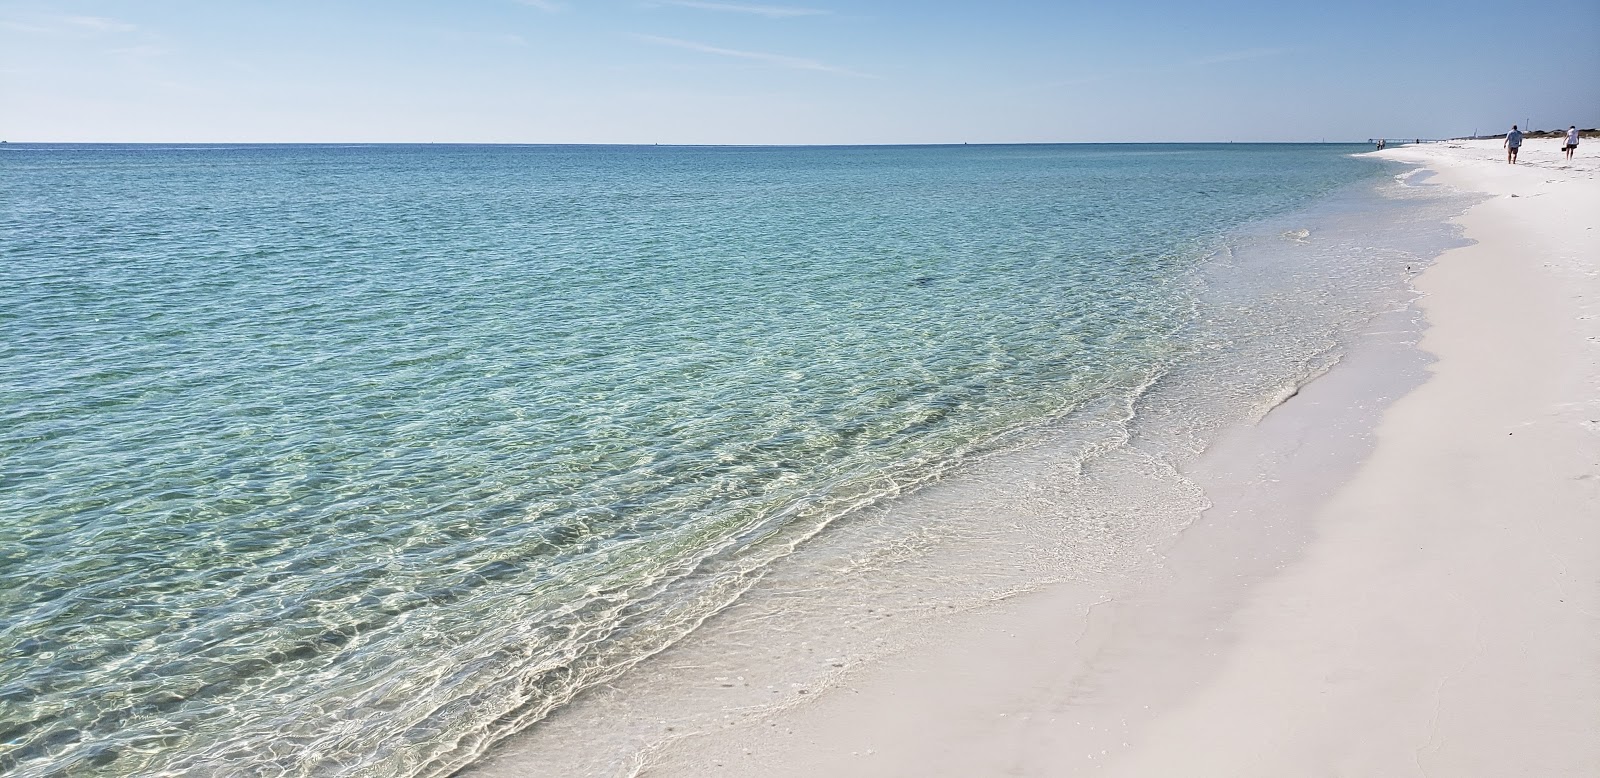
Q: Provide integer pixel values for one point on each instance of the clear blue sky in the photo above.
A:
(774, 71)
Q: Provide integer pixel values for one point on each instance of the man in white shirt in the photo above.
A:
(1572, 141)
(1512, 144)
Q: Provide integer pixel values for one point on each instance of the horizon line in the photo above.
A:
(703, 145)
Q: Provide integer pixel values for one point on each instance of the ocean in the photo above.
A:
(355, 460)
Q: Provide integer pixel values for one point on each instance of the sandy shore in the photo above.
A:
(1399, 577)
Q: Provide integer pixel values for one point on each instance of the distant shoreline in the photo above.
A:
(1434, 616)
(514, 144)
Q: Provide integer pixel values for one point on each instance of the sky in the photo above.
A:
(780, 72)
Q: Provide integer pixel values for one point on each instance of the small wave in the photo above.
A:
(1288, 391)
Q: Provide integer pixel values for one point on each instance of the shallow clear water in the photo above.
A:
(332, 460)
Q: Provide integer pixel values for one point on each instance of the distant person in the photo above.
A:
(1513, 142)
(1380, 144)
(1572, 141)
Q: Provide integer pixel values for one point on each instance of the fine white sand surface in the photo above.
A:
(1398, 577)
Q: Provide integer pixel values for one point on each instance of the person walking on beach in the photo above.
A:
(1572, 141)
(1513, 142)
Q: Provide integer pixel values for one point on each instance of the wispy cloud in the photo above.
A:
(31, 29)
(140, 52)
(97, 24)
(769, 11)
(779, 60)
(479, 38)
(548, 6)
(1079, 81)
(1237, 56)
(74, 26)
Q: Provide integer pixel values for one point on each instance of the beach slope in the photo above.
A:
(1446, 621)
(1434, 610)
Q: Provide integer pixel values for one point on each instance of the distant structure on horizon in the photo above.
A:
(1405, 141)
(1592, 132)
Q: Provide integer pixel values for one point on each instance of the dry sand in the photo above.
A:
(1422, 599)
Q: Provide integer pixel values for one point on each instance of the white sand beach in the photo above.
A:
(1405, 585)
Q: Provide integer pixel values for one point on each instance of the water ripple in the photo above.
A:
(345, 461)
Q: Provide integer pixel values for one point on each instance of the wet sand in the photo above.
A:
(1400, 573)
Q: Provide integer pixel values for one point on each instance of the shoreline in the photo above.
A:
(1112, 350)
(1083, 508)
(1350, 634)
(1444, 619)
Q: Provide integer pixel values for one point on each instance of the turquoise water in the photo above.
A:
(324, 460)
